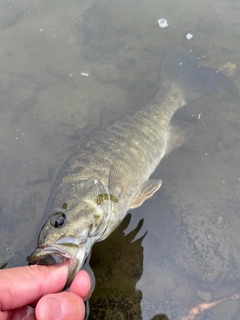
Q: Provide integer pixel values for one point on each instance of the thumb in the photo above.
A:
(60, 306)
(25, 285)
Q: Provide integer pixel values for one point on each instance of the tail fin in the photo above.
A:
(193, 80)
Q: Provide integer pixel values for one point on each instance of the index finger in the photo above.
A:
(24, 285)
(82, 285)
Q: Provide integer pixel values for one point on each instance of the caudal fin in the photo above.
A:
(190, 79)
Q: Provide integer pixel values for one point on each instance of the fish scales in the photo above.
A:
(139, 134)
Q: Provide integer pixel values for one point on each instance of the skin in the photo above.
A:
(40, 287)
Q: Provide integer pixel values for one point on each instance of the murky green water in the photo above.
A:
(185, 251)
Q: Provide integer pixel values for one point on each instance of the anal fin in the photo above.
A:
(178, 133)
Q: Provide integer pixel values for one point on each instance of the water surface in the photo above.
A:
(64, 65)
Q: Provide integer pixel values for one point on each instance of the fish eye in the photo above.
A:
(58, 219)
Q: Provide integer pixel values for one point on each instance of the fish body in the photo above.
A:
(108, 173)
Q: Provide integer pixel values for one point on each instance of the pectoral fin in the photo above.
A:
(120, 177)
(148, 189)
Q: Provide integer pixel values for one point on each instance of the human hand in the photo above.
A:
(40, 286)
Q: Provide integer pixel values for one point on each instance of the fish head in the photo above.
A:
(70, 231)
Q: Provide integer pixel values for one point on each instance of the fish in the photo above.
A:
(109, 172)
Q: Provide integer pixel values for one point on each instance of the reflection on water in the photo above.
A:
(190, 254)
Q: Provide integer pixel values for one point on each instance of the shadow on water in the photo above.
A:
(117, 264)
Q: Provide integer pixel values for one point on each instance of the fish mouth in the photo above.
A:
(55, 253)
(48, 255)
(59, 252)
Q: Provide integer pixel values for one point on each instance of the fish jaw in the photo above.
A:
(64, 249)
